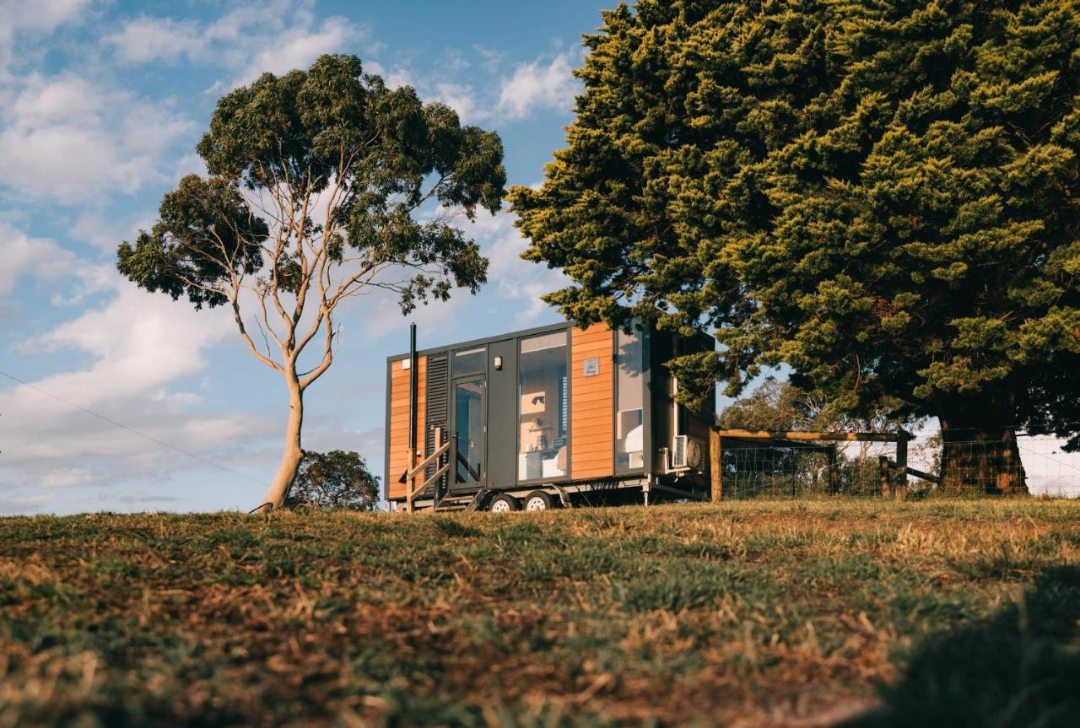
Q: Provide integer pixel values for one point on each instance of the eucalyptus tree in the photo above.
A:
(880, 194)
(322, 185)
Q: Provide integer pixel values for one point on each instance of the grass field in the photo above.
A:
(873, 613)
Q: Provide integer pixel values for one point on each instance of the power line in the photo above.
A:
(132, 430)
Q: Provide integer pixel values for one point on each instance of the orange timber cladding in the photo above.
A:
(592, 404)
(399, 422)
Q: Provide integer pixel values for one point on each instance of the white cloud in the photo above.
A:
(67, 139)
(538, 86)
(393, 77)
(105, 230)
(454, 61)
(67, 477)
(30, 501)
(461, 99)
(147, 39)
(518, 280)
(299, 47)
(39, 15)
(29, 19)
(56, 100)
(492, 59)
(138, 348)
(250, 39)
(383, 313)
(26, 257)
(140, 342)
(473, 89)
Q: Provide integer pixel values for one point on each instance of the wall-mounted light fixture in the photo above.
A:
(498, 363)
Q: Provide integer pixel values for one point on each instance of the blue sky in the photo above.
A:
(101, 104)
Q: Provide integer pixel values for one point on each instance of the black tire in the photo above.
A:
(503, 503)
(538, 500)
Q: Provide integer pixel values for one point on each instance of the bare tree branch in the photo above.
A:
(251, 344)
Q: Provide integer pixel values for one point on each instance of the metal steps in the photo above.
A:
(477, 499)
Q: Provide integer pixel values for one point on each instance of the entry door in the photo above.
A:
(470, 427)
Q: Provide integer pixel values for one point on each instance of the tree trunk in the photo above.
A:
(979, 453)
(293, 453)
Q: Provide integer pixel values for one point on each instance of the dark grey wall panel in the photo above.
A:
(660, 352)
(502, 414)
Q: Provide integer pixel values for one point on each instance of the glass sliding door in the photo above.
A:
(470, 430)
(629, 409)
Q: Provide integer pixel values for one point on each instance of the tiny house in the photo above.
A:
(540, 418)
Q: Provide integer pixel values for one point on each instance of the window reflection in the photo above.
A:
(542, 406)
(470, 361)
(629, 415)
(469, 419)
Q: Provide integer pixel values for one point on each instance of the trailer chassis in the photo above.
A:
(562, 492)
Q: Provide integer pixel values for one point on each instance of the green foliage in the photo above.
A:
(774, 407)
(880, 194)
(179, 255)
(964, 612)
(334, 481)
(337, 132)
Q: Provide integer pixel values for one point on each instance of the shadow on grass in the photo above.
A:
(1022, 668)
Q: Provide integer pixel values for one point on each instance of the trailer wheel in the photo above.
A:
(538, 500)
(504, 504)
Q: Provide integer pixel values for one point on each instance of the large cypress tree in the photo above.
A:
(881, 194)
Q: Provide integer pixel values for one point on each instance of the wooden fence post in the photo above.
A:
(900, 484)
(834, 470)
(883, 474)
(716, 465)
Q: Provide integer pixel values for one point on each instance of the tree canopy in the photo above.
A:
(322, 184)
(780, 406)
(880, 194)
(335, 480)
(772, 407)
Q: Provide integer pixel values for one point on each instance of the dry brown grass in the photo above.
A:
(745, 613)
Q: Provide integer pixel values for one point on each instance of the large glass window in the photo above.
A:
(542, 407)
(629, 410)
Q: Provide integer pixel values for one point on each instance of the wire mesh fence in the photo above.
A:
(794, 470)
(1037, 466)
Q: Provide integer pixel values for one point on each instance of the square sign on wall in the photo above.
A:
(592, 367)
